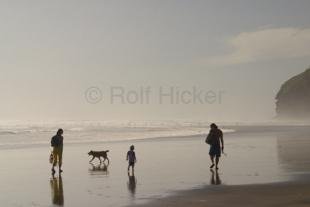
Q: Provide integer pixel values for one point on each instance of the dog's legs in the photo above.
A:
(99, 159)
(104, 160)
(92, 159)
(108, 160)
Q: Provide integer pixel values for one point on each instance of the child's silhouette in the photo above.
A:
(131, 157)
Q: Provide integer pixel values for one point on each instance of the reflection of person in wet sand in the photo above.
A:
(57, 190)
(132, 182)
(101, 168)
(215, 178)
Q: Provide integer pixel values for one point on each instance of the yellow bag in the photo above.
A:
(51, 159)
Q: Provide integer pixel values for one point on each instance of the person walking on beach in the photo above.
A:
(216, 142)
(131, 157)
(57, 144)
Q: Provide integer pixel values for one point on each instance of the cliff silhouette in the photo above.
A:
(293, 98)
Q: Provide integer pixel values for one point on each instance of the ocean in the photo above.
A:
(20, 134)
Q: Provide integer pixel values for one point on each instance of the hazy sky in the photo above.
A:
(53, 51)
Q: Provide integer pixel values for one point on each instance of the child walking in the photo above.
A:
(131, 157)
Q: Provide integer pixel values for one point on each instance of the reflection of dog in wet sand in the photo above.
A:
(100, 169)
(99, 154)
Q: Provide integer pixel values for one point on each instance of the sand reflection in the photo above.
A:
(57, 190)
(293, 150)
(132, 184)
(100, 169)
(215, 178)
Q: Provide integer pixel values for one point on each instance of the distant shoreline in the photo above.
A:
(233, 129)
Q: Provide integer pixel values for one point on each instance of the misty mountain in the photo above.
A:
(293, 98)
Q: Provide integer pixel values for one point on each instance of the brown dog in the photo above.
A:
(99, 154)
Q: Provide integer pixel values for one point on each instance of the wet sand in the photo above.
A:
(260, 166)
(292, 146)
(264, 195)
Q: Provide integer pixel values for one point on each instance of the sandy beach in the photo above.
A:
(101, 78)
(293, 194)
(264, 166)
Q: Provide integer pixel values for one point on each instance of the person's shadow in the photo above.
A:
(215, 178)
(57, 190)
(100, 169)
(131, 184)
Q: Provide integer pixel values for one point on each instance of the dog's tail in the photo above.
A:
(107, 151)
